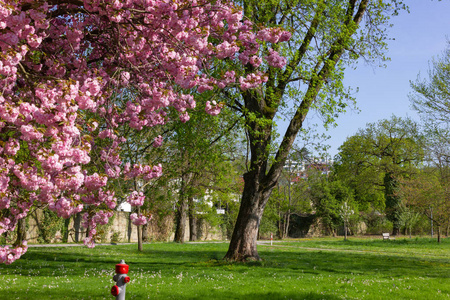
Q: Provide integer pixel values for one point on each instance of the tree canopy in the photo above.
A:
(327, 36)
(73, 72)
(372, 161)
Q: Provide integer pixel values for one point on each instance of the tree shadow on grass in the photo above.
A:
(216, 295)
(171, 294)
(185, 257)
(359, 263)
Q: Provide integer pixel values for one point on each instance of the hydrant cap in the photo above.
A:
(122, 268)
(115, 290)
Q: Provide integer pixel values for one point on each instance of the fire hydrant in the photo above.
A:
(121, 280)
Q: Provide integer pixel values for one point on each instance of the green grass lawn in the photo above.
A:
(301, 269)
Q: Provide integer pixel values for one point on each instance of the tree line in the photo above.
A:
(97, 97)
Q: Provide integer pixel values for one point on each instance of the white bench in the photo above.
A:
(386, 236)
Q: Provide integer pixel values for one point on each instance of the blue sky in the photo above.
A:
(419, 36)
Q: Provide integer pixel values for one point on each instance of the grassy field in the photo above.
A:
(301, 269)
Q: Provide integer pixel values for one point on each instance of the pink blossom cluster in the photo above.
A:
(64, 207)
(273, 35)
(144, 171)
(213, 108)
(158, 141)
(91, 221)
(275, 60)
(102, 197)
(9, 255)
(75, 73)
(252, 80)
(139, 219)
(136, 198)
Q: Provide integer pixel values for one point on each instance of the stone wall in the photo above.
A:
(120, 230)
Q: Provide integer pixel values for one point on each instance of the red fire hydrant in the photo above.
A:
(121, 278)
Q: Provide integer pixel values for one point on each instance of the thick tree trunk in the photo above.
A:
(243, 241)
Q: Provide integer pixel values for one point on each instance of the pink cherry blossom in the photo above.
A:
(213, 108)
(136, 199)
(275, 60)
(93, 70)
(157, 142)
(138, 219)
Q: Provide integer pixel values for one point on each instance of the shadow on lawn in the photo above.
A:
(378, 243)
(172, 294)
(230, 294)
(357, 263)
(203, 257)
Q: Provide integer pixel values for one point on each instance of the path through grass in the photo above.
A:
(304, 269)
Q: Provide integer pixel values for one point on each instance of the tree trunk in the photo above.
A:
(288, 214)
(243, 241)
(181, 216)
(439, 233)
(182, 209)
(200, 229)
(448, 228)
(77, 226)
(21, 232)
(280, 224)
(281, 221)
(145, 233)
(129, 231)
(65, 238)
(345, 231)
(139, 234)
(192, 221)
(288, 218)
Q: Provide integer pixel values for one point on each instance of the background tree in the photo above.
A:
(291, 188)
(346, 212)
(199, 150)
(373, 160)
(431, 98)
(408, 217)
(326, 36)
(425, 193)
(325, 205)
